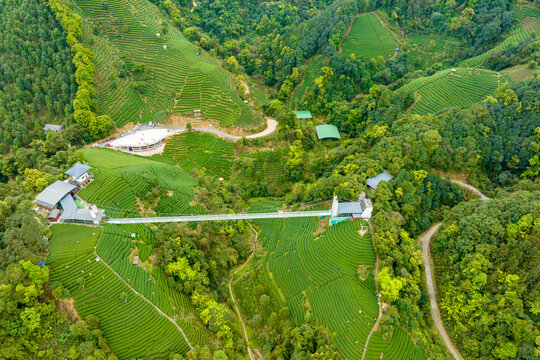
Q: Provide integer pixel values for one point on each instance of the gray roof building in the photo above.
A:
(77, 170)
(373, 182)
(53, 193)
(68, 206)
(53, 214)
(55, 128)
(85, 216)
(71, 213)
(353, 209)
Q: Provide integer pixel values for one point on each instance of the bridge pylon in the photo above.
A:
(335, 203)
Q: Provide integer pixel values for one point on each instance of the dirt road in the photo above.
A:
(432, 289)
(471, 188)
(426, 240)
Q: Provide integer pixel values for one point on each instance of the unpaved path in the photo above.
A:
(375, 273)
(156, 146)
(426, 240)
(467, 186)
(250, 352)
(144, 298)
(431, 287)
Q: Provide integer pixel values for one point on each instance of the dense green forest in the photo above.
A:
(37, 80)
(486, 254)
(487, 259)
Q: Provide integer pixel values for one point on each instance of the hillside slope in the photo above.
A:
(145, 68)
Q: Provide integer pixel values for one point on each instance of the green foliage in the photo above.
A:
(83, 58)
(216, 316)
(369, 38)
(30, 327)
(37, 79)
(488, 292)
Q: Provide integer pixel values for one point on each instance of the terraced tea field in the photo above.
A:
(516, 74)
(122, 179)
(369, 38)
(313, 70)
(193, 151)
(315, 273)
(399, 347)
(133, 328)
(447, 89)
(517, 35)
(140, 74)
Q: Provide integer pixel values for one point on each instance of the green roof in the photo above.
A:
(327, 132)
(303, 114)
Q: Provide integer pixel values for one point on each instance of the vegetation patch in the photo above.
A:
(312, 71)
(128, 322)
(448, 89)
(321, 273)
(369, 38)
(145, 66)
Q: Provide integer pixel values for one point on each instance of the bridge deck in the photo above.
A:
(220, 217)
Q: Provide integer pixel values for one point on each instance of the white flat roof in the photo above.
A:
(144, 137)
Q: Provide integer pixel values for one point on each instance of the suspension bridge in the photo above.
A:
(356, 209)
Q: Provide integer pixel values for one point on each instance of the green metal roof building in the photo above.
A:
(303, 114)
(325, 132)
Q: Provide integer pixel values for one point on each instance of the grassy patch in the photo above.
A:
(369, 38)
(313, 70)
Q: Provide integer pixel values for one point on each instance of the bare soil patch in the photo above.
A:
(67, 306)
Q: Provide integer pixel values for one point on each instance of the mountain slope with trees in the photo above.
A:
(487, 261)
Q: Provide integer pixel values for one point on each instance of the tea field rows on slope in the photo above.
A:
(139, 74)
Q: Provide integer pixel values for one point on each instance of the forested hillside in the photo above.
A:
(37, 82)
(487, 259)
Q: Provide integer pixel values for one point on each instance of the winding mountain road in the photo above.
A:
(427, 236)
(467, 186)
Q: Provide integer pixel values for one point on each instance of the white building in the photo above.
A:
(79, 173)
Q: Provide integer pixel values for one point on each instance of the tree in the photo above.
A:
(232, 64)
(81, 281)
(390, 285)
(220, 355)
(273, 107)
(188, 126)
(35, 180)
